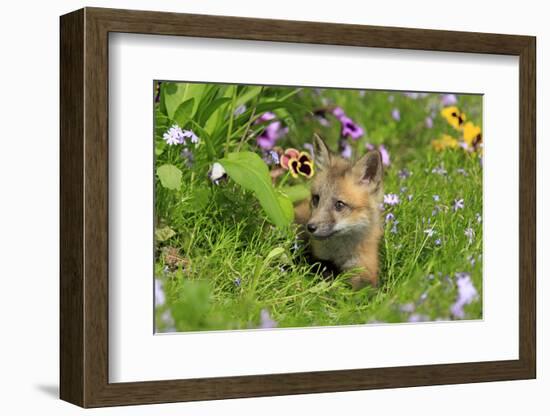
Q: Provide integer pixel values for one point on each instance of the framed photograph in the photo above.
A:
(260, 207)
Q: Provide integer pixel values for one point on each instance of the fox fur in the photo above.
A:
(342, 217)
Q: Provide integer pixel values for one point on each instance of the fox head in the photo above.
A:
(345, 196)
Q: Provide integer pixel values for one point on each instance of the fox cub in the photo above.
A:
(342, 215)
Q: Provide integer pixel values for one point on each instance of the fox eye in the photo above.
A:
(315, 200)
(339, 205)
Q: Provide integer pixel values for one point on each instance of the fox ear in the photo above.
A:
(368, 170)
(322, 153)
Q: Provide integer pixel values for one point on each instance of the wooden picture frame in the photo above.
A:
(84, 207)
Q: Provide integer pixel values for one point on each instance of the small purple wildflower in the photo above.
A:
(440, 170)
(189, 134)
(309, 148)
(174, 136)
(404, 173)
(237, 282)
(266, 321)
(467, 293)
(403, 189)
(390, 217)
(458, 204)
(350, 129)
(188, 156)
(338, 112)
(239, 110)
(436, 198)
(385, 155)
(396, 114)
(391, 199)
(416, 317)
(160, 297)
(345, 149)
(429, 232)
(272, 132)
(428, 122)
(271, 157)
(469, 232)
(448, 99)
(369, 146)
(407, 307)
(472, 260)
(394, 227)
(437, 242)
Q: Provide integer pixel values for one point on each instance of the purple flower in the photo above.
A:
(467, 293)
(469, 232)
(394, 227)
(428, 122)
(350, 129)
(416, 317)
(458, 204)
(390, 217)
(271, 157)
(396, 114)
(338, 112)
(404, 173)
(239, 110)
(440, 170)
(385, 155)
(237, 281)
(437, 242)
(391, 199)
(369, 146)
(188, 156)
(160, 297)
(407, 307)
(436, 198)
(448, 99)
(174, 135)
(321, 117)
(309, 148)
(345, 149)
(272, 132)
(188, 134)
(266, 321)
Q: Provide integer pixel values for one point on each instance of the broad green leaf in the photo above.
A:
(175, 93)
(170, 176)
(296, 193)
(214, 113)
(160, 145)
(250, 171)
(164, 233)
(286, 206)
(183, 112)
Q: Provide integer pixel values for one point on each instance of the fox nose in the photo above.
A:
(311, 228)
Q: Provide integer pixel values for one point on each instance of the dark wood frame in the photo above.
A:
(84, 207)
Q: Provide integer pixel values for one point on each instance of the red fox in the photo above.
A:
(342, 215)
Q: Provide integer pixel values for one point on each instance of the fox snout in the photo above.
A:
(320, 230)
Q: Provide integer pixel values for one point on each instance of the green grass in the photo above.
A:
(229, 262)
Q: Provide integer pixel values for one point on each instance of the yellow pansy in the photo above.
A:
(454, 116)
(445, 142)
(472, 134)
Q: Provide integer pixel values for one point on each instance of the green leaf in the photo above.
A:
(296, 193)
(164, 233)
(250, 93)
(199, 200)
(159, 147)
(175, 93)
(273, 254)
(184, 111)
(250, 171)
(170, 176)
